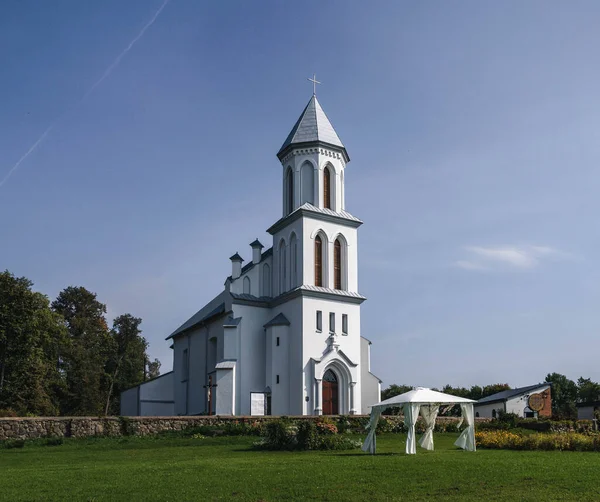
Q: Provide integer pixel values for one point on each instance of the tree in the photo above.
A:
(127, 360)
(84, 360)
(30, 337)
(587, 391)
(153, 368)
(564, 396)
(394, 390)
(488, 390)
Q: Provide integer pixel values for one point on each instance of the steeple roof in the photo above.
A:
(313, 126)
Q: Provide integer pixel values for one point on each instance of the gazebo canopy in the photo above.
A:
(426, 402)
(421, 395)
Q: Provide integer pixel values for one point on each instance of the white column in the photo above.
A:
(352, 399)
(318, 397)
(317, 187)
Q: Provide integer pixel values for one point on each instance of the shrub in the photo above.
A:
(8, 412)
(13, 443)
(506, 440)
(307, 435)
(53, 441)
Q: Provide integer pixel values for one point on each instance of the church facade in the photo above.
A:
(284, 335)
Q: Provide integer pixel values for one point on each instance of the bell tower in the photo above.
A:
(313, 159)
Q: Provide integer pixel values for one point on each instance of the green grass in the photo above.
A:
(224, 468)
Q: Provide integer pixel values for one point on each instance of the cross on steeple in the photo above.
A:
(315, 82)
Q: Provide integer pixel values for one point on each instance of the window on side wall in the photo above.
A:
(319, 321)
(344, 324)
(332, 322)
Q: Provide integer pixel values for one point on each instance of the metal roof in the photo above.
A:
(507, 394)
(225, 365)
(257, 243)
(312, 126)
(278, 320)
(323, 210)
(339, 292)
(199, 317)
(236, 257)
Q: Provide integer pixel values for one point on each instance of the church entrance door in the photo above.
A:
(330, 394)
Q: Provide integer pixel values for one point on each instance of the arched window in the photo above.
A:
(289, 190)
(307, 181)
(326, 188)
(282, 267)
(293, 261)
(246, 285)
(337, 265)
(266, 280)
(318, 261)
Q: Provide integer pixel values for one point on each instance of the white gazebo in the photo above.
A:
(427, 402)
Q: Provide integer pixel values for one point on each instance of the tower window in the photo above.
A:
(326, 188)
(319, 321)
(318, 261)
(344, 324)
(332, 322)
(289, 187)
(337, 265)
(277, 378)
(278, 341)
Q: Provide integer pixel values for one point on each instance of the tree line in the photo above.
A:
(61, 357)
(565, 393)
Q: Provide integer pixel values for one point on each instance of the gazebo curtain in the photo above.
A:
(370, 443)
(429, 412)
(411, 414)
(466, 440)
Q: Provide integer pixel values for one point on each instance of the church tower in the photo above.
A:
(315, 273)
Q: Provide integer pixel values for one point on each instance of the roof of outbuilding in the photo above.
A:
(313, 126)
(510, 393)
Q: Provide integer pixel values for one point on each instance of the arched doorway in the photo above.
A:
(330, 394)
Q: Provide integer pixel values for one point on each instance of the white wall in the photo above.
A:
(371, 386)
(485, 410)
(129, 402)
(519, 404)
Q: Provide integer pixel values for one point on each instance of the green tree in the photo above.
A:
(152, 368)
(84, 360)
(587, 391)
(488, 390)
(127, 360)
(31, 336)
(564, 396)
(394, 390)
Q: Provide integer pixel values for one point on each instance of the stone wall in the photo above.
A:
(79, 427)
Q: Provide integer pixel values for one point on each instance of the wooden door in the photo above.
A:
(330, 394)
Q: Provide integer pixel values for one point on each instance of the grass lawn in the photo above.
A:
(223, 468)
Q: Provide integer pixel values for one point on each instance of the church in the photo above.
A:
(284, 335)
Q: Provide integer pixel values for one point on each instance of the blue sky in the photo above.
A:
(474, 133)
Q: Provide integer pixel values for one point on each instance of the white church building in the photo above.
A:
(284, 335)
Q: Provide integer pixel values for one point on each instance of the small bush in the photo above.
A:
(9, 444)
(54, 441)
(8, 412)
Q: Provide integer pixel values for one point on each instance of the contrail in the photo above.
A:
(104, 76)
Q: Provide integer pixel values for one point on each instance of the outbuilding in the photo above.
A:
(534, 401)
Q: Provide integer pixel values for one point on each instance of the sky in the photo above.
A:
(474, 135)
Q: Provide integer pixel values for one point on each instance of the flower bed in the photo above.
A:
(567, 441)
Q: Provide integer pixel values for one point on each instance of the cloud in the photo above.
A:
(520, 257)
(470, 265)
